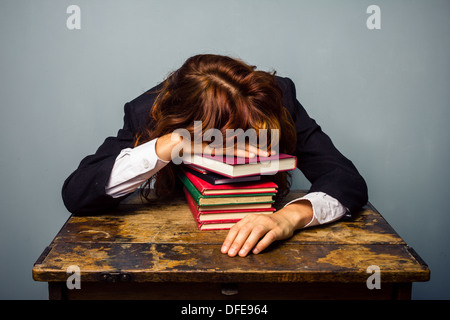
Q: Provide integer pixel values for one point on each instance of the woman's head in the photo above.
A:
(223, 93)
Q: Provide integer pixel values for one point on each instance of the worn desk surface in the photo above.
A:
(158, 245)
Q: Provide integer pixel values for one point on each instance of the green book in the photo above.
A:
(216, 200)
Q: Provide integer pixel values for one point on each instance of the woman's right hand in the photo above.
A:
(165, 145)
(247, 151)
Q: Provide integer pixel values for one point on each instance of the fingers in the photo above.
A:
(230, 245)
(244, 153)
(255, 232)
(265, 242)
(205, 148)
(241, 150)
(182, 141)
(250, 151)
(252, 241)
(254, 150)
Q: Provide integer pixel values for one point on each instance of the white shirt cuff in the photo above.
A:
(133, 166)
(326, 209)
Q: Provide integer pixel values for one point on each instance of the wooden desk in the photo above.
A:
(142, 252)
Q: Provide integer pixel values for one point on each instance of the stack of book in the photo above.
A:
(222, 191)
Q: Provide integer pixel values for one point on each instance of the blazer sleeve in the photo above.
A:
(320, 161)
(83, 191)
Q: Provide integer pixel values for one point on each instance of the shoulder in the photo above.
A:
(137, 111)
(285, 83)
(289, 93)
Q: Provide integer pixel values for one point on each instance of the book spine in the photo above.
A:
(192, 207)
(195, 181)
(190, 187)
(200, 175)
(195, 214)
(191, 204)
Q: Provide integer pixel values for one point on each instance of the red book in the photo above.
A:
(218, 220)
(233, 167)
(208, 189)
(246, 207)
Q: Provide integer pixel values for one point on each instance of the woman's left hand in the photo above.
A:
(258, 231)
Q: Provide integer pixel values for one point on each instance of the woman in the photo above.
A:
(222, 93)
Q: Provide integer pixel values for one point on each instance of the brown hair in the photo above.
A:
(223, 93)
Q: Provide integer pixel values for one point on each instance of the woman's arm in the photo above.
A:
(330, 174)
(134, 166)
(83, 192)
(328, 170)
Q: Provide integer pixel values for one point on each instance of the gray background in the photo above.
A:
(382, 95)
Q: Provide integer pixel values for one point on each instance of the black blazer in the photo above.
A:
(323, 165)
